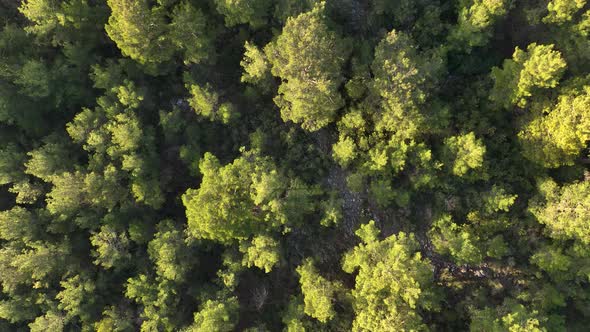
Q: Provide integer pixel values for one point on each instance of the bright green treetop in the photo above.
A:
(393, 283)
(263, 252)
(252, 12)
(189, 32)
(308, 57)
(241, 199)
(557, 138)
(111, 248)
(169, 252)
(562, 11)
(539, 67)
(382, 131)
(511, 316)
(216, 315)
(463, 153)
(319, 293)
(566, 211)
(139, 31)
(476, 19)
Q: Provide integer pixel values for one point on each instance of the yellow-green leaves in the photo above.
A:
(566, 212)
(512, 316)
(397, 78)
(242, 199)
(76, 297)
(476, 19)
(540, 67)
(18, 224)
(368, 232)
(319, 293)
(42, 13)
(256, 66)
(380, 133)
(392, 284)
(557, 138)
(169, 252)
(62, 21)
(308, 58)
(344, 151)
(142, 32)
(561, 11)
(456, 241)
(189, 33)
(111, 247)
(252, 12)
(263, 252)
(482, 12)
(139, 31)
(463, 153)
(216, 315)
(206, 102)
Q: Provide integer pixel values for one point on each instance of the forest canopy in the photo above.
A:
(294, 165)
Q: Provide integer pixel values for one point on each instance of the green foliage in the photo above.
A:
(368, 232)
(11, 160)
(189, 33)
(344, 151)
(511, 316)
(32, 265)
(42, 13)
(111, 247)
(18, 224)
(380, 136)
(139, 31)
(540, 67)
(497, 199)
(252, 12)
(397, 80)
(218, 157)
(169, 252)
(113, 321)
(263, 252)
(318, 292)
(583, 27)
(557, 138)
(562, 11)
(256, 66)
(403, 11)
(16, 310)
(393, 283)
(308, 57)
(33, 79)
(463, 153)
(76, 298)
(244, 198)
(205, 102)
(553, 260)
(456, 241)
(51, 321)
(51, 159)
(216, 315)
(293, 315)
(332, 211)
(67, 195)
(565, 211)
(62, 21)
(476, 20)
(157, 300)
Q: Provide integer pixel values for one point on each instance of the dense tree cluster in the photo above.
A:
(294, 165)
